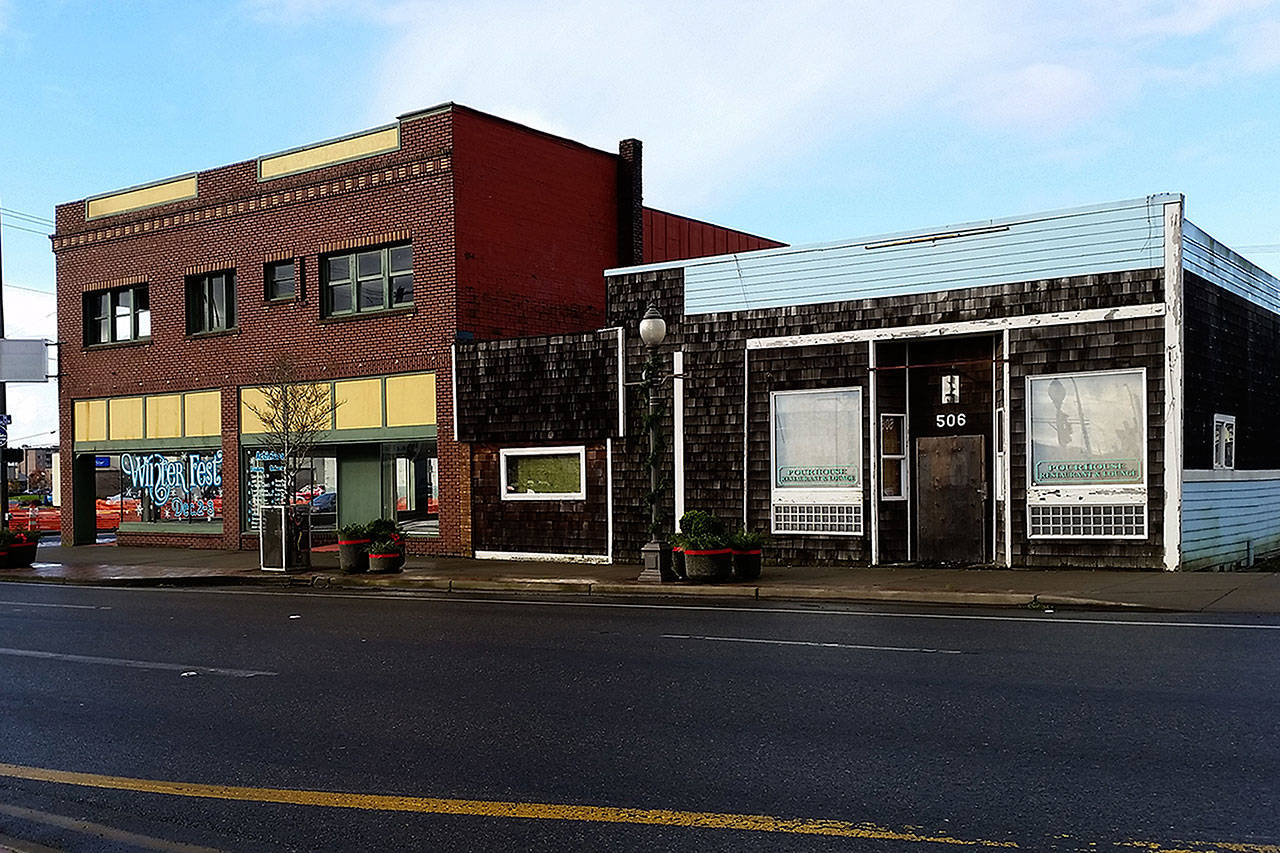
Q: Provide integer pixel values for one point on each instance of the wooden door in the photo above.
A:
(951, 499)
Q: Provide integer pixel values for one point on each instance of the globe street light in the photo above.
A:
(657, 559)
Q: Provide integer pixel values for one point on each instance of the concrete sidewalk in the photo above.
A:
(1242, 592)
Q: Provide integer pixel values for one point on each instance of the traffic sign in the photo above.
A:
(6, 419)
(102, 462)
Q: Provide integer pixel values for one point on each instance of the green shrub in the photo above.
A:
(696, 522)
(353, 532)
(746, 540)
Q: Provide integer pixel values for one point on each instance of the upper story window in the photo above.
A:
(112, 316)
(1224, 441)
(211, 302)
(279, 278)
(368, 280)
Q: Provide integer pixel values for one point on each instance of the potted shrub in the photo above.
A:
(18, 548)
(707, 559)
(353, 540)
(747, 554)
(386, 555)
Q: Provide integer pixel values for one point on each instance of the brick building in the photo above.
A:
(1084, 387)
(364, 259)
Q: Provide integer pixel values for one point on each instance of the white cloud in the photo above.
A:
(722, 89)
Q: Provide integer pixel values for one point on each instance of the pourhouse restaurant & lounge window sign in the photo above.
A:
(1088, 428)
(174, 486)
(817, 439)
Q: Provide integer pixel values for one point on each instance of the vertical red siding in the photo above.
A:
(668, 237)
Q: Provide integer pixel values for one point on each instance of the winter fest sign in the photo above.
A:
(176, 483)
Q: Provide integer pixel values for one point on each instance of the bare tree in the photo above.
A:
(295, 416)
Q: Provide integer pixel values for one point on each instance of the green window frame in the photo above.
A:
(211, 302)
(118, 315)
(367, 280)
(280, 281)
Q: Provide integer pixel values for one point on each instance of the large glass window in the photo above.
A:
(1224, 441)
(817, 439)
(211, 302)
(543, 473)
(171, 486)
(265, 486)
(1087, 428)
(413, 478)
(368, 280)
(112, 316)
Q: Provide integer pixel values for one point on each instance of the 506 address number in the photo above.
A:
(952, 419)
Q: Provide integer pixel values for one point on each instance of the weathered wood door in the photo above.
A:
(951, 499)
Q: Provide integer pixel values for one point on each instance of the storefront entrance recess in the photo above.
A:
(951, 481)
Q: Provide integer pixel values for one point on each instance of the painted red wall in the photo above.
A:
(537, 224)
(669, 237)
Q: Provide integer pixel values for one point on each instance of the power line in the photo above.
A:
(31, 217)
(29, 289)
(21, 228)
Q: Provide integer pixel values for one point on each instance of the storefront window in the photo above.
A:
(414, 483)
(317, 485)
(1087, 428)
(817, 439)
(171, 487)
(543, 473)
(893, 457)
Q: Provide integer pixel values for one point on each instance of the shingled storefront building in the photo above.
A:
(1087, 387)
(364, 259)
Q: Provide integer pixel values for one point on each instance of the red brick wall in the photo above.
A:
(298, 214)
(537, 224)
(668, 237)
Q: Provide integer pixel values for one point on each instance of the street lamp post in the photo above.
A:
(657, 558)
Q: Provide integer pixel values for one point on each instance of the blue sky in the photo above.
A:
(805, 121)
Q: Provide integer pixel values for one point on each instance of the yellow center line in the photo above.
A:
(491, 808)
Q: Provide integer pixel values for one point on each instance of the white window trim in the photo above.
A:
(814, 495)
(1219, 450)
(1067, 495)
(1001, 453)
(901, 457)
(564, 450)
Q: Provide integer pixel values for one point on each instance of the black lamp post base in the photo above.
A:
(656, 555)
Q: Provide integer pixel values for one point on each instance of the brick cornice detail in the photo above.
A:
(123, 281)
(257, 203)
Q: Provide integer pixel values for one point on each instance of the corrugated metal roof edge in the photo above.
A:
(1151, 200)
(1217, 247)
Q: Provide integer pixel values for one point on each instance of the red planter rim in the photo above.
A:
(692, 553)
(382, 556)
(354, 541)
(753, 551)
(677, 548)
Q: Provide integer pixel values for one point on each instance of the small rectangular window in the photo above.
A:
(279, 278)
(893, 457)
(543, 473)
(211, 302)
(368, 280)
(1224, 442)
(114, 316)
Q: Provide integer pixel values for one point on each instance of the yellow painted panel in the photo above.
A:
(175, 190)
(250, 423)
(80, 419)
(125, 418)
(202, 413)
(91, 420)
(325, 154)
(164, 416)
(359, 403)
(411, 400)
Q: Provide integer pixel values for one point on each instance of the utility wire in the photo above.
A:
(31, 217)
(20, 228)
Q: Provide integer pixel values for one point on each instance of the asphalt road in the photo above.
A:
(244, 720)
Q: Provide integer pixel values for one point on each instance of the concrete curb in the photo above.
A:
(588, 587)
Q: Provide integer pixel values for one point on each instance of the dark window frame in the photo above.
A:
(270, 280)
(199, 297)
(386, 279)
(137, 309)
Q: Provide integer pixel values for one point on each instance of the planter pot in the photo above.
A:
(746, 565)
(708, 566)
(352, 556)
(677, 562)
(386, 563)
(19, 556)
